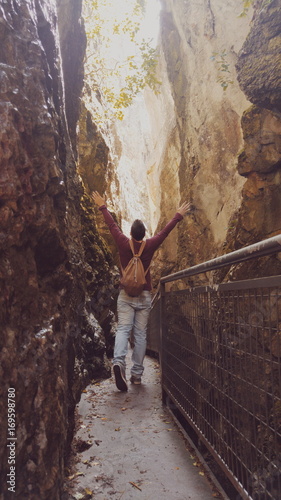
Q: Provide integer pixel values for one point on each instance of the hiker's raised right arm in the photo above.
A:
(160, 237)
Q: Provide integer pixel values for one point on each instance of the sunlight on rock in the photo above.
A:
(121, 40)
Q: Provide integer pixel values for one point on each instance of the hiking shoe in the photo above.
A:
(120, 379)
(135, 380)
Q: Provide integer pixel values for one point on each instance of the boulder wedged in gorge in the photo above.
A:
(259, 61)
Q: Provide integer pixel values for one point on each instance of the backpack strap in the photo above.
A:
(139, 252)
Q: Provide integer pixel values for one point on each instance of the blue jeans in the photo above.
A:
(133, 314)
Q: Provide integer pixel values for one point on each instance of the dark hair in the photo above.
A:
(138, 230)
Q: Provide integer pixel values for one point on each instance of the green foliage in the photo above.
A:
(223, 68)
(220, 58)
(117, 77)
(248, 3)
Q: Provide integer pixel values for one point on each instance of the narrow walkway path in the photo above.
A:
(134, 450)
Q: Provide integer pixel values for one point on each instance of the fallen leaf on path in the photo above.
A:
(85, 495)
(201, 473)
(117, 429)
(75, 475)
(88, 492)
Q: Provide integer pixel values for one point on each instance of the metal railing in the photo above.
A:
(220, 350)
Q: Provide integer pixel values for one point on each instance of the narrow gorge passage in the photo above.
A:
(205, 127)
(128, 446)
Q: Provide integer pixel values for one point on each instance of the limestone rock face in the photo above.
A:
(211, 146)
(72, 48)
(259, 62)
(259, 74)
(262, 136)
(51, 343)
(95, 167)
(259, 162)
(198, 160)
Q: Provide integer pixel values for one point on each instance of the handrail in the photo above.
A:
(260, 249)
(213, 344)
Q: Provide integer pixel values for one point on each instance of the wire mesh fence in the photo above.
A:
(220, 356)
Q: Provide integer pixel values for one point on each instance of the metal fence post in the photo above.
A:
(162, 339)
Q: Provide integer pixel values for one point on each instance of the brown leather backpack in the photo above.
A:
(133, 276)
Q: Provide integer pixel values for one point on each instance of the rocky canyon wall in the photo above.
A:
(198, 160)
(259, 75)
(212, 146)
(53, 263)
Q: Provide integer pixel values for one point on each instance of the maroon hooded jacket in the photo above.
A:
(151, 245)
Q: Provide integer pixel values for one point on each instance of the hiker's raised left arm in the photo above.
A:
(156, 240)
(184, 208)
(112, 225)
(98, 199)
